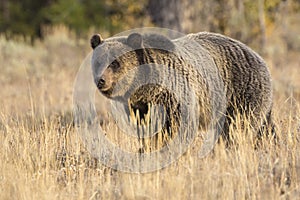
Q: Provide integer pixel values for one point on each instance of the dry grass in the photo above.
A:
(42, 157)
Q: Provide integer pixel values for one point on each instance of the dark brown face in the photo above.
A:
(106, 66)
(106, 82)
(112, 74)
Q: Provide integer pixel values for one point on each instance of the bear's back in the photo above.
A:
(245, 75)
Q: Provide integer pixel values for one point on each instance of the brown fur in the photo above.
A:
(246, 79)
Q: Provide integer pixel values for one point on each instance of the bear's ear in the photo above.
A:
(157, 41)
(96, 40)
(135, 40)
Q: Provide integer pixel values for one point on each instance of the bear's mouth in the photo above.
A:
(107, 91)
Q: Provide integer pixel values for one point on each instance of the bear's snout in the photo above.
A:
(100, 82)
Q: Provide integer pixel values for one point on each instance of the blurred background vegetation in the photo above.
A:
(251, 21)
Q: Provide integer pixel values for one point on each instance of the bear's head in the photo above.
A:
(114, 58)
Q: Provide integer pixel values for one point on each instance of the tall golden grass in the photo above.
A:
(42, 157)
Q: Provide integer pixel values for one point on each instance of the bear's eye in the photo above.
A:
(115, 65)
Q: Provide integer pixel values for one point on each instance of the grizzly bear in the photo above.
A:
(205, 63)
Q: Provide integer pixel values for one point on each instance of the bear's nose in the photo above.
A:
(100, 83)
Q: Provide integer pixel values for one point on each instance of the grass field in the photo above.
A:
(42, 157)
